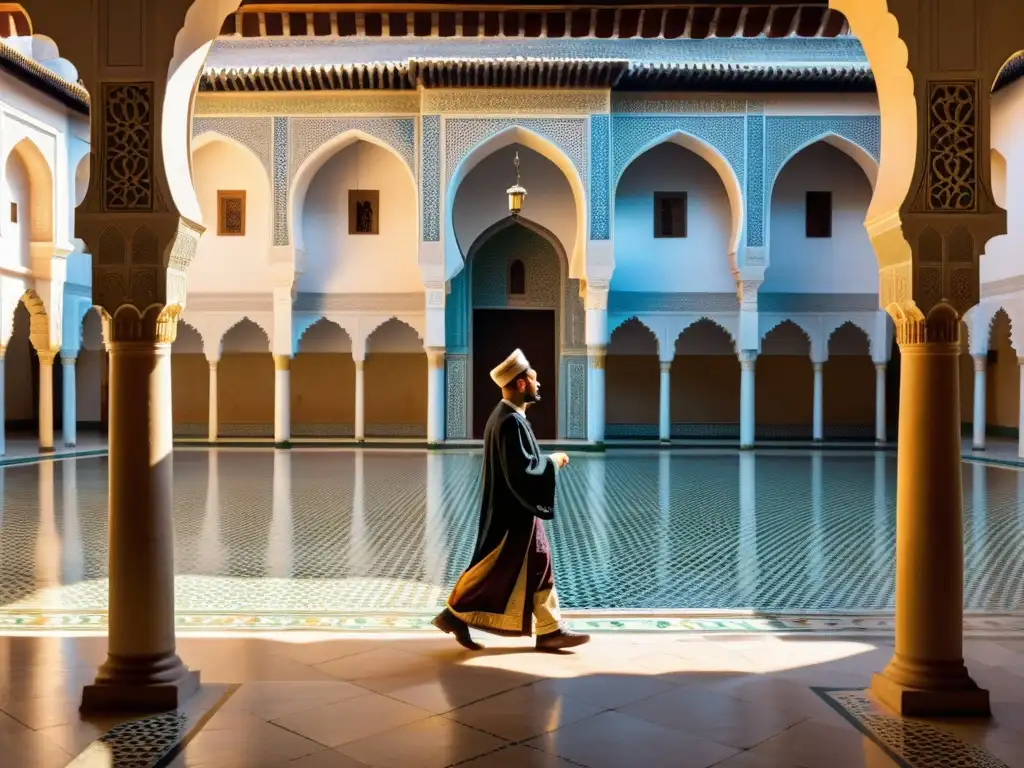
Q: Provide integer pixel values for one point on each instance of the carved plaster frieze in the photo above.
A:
(230, 302)
(817, 302)
(515, 102)
(670, 104)
(627, 302)
(359, 302)
(336, 103)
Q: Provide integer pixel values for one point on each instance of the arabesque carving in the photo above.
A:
(952, 147)
(128, 144)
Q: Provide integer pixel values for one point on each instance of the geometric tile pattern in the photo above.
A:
(255, 133)
(369, 531)
(600, 224)
(430, 177)
(911, 743)
(755, 180)
(281, 180)
(142, 743)
(787, 135)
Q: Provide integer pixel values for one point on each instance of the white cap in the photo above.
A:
(514, 364)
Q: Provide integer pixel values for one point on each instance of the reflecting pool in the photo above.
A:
(390, 530)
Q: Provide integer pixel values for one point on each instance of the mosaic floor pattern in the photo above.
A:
(387, 533)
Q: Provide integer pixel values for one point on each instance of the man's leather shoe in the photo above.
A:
(451, 624)
(560, 640)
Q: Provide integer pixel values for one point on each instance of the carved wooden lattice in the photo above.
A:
(952, 147)
(128, 146)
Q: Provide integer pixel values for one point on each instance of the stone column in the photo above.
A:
(214, 419)
(664, 403)
(46, 358)
(70, 396)
(595, 394)
(142, 670)
(282, 401)
(748, 360)
(360, 415)
(880, 414)
(818, 429)
(435, 394)
(980, 368)
(927, 675)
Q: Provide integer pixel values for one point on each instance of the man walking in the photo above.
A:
(510, 581)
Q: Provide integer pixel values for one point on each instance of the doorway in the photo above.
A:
(496, 332)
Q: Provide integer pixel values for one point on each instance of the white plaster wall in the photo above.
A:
(697, 263)
(1001, 257)
(481, 200)
(337, 262)
(393, 337)
(16, 237)
(232, 264)
(844, 263)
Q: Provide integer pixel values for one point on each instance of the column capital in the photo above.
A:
(435, 357)
(359, 364)
(666, 367)
(941, 327)
(596, 353)
(880, 367)
(282, 362)
(68, 360)
(46, 356)
(818, 367)
(980, 363)
(748, 359)
(212, 364)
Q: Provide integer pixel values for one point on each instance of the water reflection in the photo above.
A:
(390, 530)
(210, 555)
(279, 542)
(73, 561)
(748, 570)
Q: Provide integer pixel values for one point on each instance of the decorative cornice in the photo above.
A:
(653, 105)
(627, 302)
(564, 72)
(33, 73)
(498, 102)
(306, 103)
(623, 20)
(228, 302)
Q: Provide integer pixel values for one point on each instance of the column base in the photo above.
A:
(665, 441)
(140, 685)
(360, 439)
(746, 447)
(47, 449)
(69, 445)
(906, 701)
(977, 447)
(818, 440)
(285, 444)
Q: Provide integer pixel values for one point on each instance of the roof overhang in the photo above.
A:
(605, 20)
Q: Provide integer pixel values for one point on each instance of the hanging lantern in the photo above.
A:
(516, 193)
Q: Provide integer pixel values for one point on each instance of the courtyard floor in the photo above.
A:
(739, 604)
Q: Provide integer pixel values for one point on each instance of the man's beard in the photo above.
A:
(530, 397)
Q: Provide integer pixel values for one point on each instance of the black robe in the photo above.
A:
(512, 560)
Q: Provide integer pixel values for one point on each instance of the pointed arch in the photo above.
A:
(849, 327)
(40, 192)
(807, 333)
(211, 137)
(511, 221)
(303, 327)
(516, 134)
(241, 323)
(718, 162)
(635, 322)
(259, 187)
(378, 323)
(707, 320)
(861, 156)
(309, 168)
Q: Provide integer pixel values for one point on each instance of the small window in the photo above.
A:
(363, 212)
(517, 278)
(14, 213)
(231, 213)
(819, 214)
(670, 214)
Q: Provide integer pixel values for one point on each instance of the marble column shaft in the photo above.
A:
(69, 415)
(282, 401)
(980, 414)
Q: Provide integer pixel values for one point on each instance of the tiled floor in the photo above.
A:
(259, 532)
(330, 701)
